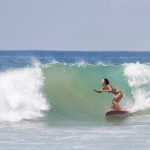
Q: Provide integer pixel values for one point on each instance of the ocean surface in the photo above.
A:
(47, 100)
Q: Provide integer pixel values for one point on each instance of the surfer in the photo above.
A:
(106, 87)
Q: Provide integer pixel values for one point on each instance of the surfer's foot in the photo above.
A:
(118, 109)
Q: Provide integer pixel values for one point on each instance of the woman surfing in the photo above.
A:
(106, 87)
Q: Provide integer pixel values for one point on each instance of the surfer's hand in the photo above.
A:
(98, 91)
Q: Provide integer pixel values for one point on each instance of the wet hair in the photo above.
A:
(106, 81)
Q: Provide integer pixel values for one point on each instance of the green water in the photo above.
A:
(69, 90)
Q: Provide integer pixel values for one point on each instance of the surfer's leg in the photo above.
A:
(115, 105)
(116, 100)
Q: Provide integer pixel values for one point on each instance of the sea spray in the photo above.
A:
(21, 94)
(138, 77)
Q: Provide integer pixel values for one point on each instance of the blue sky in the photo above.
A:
(75, 25)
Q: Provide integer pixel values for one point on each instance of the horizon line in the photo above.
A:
(75, 50)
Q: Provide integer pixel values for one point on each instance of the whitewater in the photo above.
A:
(47, 98)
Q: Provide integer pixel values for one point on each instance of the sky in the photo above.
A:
(75, 25)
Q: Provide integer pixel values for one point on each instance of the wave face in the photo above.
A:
(69, 88)
(65, 92)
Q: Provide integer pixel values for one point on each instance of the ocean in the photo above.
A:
(47, 100)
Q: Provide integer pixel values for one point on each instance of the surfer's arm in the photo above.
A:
(104, 90)
(107, 90)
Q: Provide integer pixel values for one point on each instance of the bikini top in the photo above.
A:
(114, 90)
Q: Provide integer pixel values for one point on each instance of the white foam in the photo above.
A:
(101, 63)
(54, 61)
(80, 63)
(142, 100)
(137, 74)
(138, 77)
(21, 94)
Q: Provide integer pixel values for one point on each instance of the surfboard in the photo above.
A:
(117, 113)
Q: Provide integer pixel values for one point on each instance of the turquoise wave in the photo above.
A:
(69, 90)
(61, 92)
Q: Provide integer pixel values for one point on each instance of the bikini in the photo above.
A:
(115, 91)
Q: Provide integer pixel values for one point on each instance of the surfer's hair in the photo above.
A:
(106, 81)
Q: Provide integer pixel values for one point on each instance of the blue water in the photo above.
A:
(10, 59)
(47, 100)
